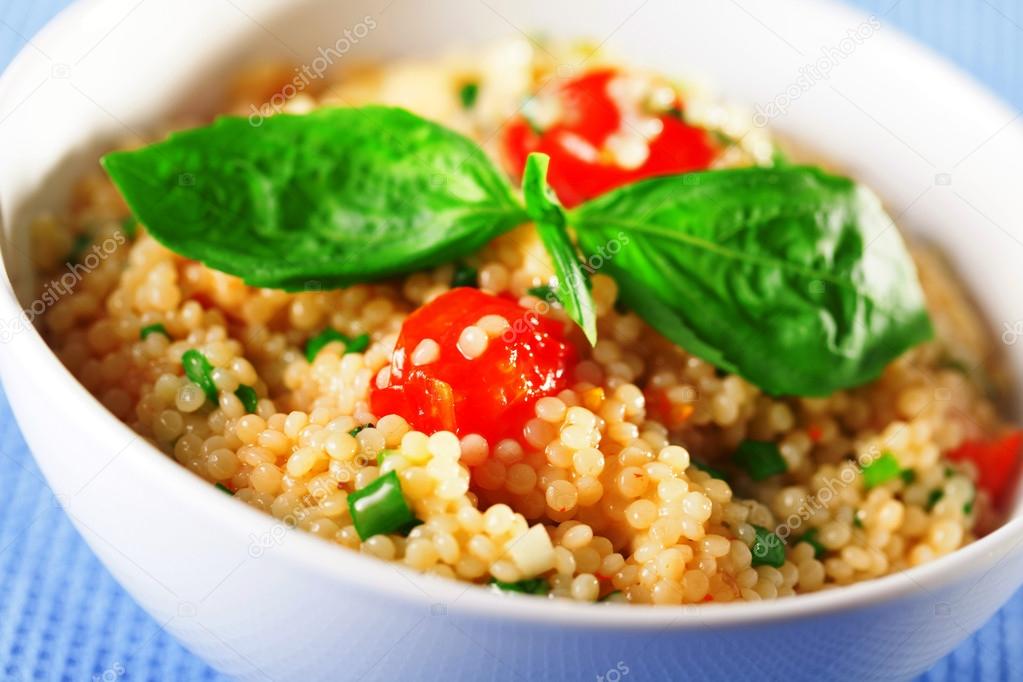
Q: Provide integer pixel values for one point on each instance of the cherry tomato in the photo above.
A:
(588, 117)
(492, 394)
(995, 460)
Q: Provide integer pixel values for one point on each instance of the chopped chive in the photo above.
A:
(968, 506)
(810, 538)
(380, 507)
(907, 476)
(767, 548)
(358, 344)
(703, 466)
(723, 139)
(954, 364)
(857, 521)
(199, 371)
(545, 292)
(130, 226)
(155, 328)
(676, 112)
(355, 432)
(949, 472)
(934, 497)
(528, 586)
(78, 247)
(352, 345)
(465, 276)
(223, 488)
(468, 94)
(248, 396)
(883, 469)
(760, 459)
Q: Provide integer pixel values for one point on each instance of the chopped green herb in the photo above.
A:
(767, 549)
(934, 497)
(355, 432)
(130, 226)
(723, 139)
(677, 113)
(329, 335)
(956, 364)
(223, 488)
(155, 328)
(968, 506)
(384, 454)
(810, 538)
(468, 94)
(713, 471)
(199, 371)
(760, 459)
(883, 469)
(527, 586)
(949, 472)
(545, 292)
(78, 247)
(779, 158)
(248, 396)
(358, 344)
(608, 596)
(380, 507)
(465, 276)
(908, 476)
(857, 521)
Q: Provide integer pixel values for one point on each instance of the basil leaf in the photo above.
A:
(329, 198)
(788, 276)
(545, 212)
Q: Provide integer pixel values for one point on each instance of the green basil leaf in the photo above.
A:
(328, 198)
(545, 212)
(793, 278)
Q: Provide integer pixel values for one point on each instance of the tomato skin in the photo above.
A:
(491, 395)
(589, 113)
(996, 462)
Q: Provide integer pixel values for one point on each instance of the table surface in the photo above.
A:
(63, 617)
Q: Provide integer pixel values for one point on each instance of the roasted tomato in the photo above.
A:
(996, 461)
(605, 129)
(471, 362)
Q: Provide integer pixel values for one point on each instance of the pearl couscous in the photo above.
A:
(640, 474)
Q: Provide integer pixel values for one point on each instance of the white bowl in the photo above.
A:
(261, 602)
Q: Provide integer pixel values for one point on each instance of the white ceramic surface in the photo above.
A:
(263, 603)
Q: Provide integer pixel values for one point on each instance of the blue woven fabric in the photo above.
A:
(62, 617)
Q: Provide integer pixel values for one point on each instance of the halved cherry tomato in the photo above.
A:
(996, 461)
(587, 115)
(492, 394)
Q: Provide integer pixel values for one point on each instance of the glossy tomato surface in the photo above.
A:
(608, 129)
(492, 394)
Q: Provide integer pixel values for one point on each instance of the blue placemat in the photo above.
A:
(62, 617)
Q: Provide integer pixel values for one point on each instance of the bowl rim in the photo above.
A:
(341, 564)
